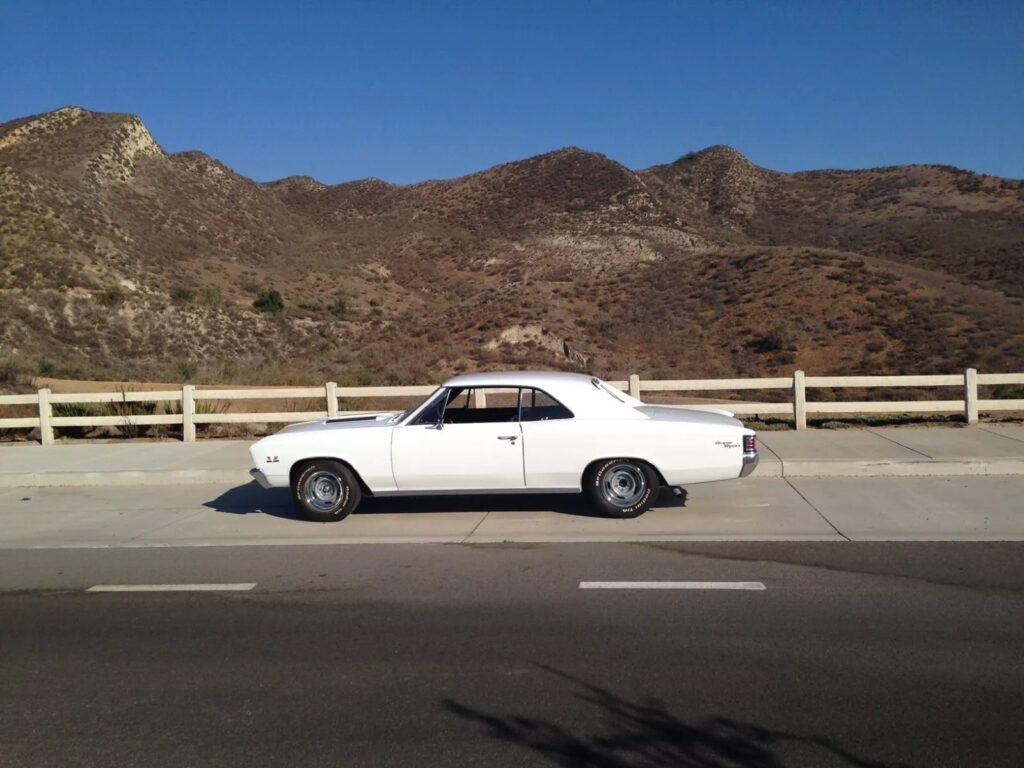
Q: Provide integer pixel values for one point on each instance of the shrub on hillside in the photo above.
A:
(338, 306)
(112, 297)
(211, 295)
(782, 337)
(269, 300)
(10, 373)
(181, 293)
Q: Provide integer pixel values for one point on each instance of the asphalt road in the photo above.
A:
(853, 654)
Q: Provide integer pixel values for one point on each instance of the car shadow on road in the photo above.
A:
(277, 502)
(252, 499)
(647, 735)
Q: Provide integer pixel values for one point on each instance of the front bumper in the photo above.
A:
(257, 475)
(750, 461)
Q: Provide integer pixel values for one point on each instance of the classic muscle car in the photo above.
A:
(507, 433)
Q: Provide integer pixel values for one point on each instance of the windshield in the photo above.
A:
(406, 413)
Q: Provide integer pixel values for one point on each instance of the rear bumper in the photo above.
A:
(259, 477)
(750, 461)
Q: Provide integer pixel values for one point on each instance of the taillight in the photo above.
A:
(750, 443)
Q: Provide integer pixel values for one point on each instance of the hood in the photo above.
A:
(350, 421)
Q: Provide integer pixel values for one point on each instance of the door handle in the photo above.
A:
(513, 438)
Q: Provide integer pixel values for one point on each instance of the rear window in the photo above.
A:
(537, 405)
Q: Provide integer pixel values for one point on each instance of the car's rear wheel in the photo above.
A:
(325, 491)
(621, 487)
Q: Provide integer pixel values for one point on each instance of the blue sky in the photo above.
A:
(408, 91)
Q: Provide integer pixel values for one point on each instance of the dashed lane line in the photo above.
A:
(745, 585)
(171, 587)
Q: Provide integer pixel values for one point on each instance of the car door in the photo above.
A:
(471, 448)
(556, 445)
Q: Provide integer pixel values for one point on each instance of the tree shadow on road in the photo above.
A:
(648, 735)
(277, 502)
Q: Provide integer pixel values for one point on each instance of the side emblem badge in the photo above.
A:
(272, 459)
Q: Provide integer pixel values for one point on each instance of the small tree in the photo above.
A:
(269, 300)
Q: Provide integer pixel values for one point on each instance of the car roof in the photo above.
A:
(575, 390)
(518, 379)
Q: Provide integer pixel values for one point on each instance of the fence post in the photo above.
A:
(799, 400)
(634, 385)
(971, 395)
(188, 413)
(332, 398)
(45, 413)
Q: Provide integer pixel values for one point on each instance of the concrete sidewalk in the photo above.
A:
(988, 449)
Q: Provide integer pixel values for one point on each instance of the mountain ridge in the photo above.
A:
(121, 260)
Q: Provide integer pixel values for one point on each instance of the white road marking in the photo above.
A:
(750, 585)
(171, 587)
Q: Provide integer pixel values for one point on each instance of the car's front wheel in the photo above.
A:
(621, 487)
(325, 491)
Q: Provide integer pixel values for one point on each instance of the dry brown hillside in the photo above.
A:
(121, 261)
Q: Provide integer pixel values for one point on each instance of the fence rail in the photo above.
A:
(185, 412)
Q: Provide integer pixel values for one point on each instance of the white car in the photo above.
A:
(507, 433)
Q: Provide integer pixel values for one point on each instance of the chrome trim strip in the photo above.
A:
(485, 492)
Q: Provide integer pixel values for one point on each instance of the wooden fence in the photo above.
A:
(185, 412)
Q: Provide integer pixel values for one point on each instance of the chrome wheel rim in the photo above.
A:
(623, 485)
(322, 491)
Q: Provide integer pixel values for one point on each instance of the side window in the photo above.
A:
(482, 405)
(540, 406)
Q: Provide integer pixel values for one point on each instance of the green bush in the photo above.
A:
(212, 295)
(75, 410)
(269, 300)
(173, 407)
(126, 411)
(181, 293)
(338, 306)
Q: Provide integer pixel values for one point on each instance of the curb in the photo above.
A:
(125, 478)
(900, 467)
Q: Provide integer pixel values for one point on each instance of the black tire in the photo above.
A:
(621, 487)
(326, 491)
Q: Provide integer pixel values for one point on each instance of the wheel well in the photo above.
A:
(298, 466)
(590, 466)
